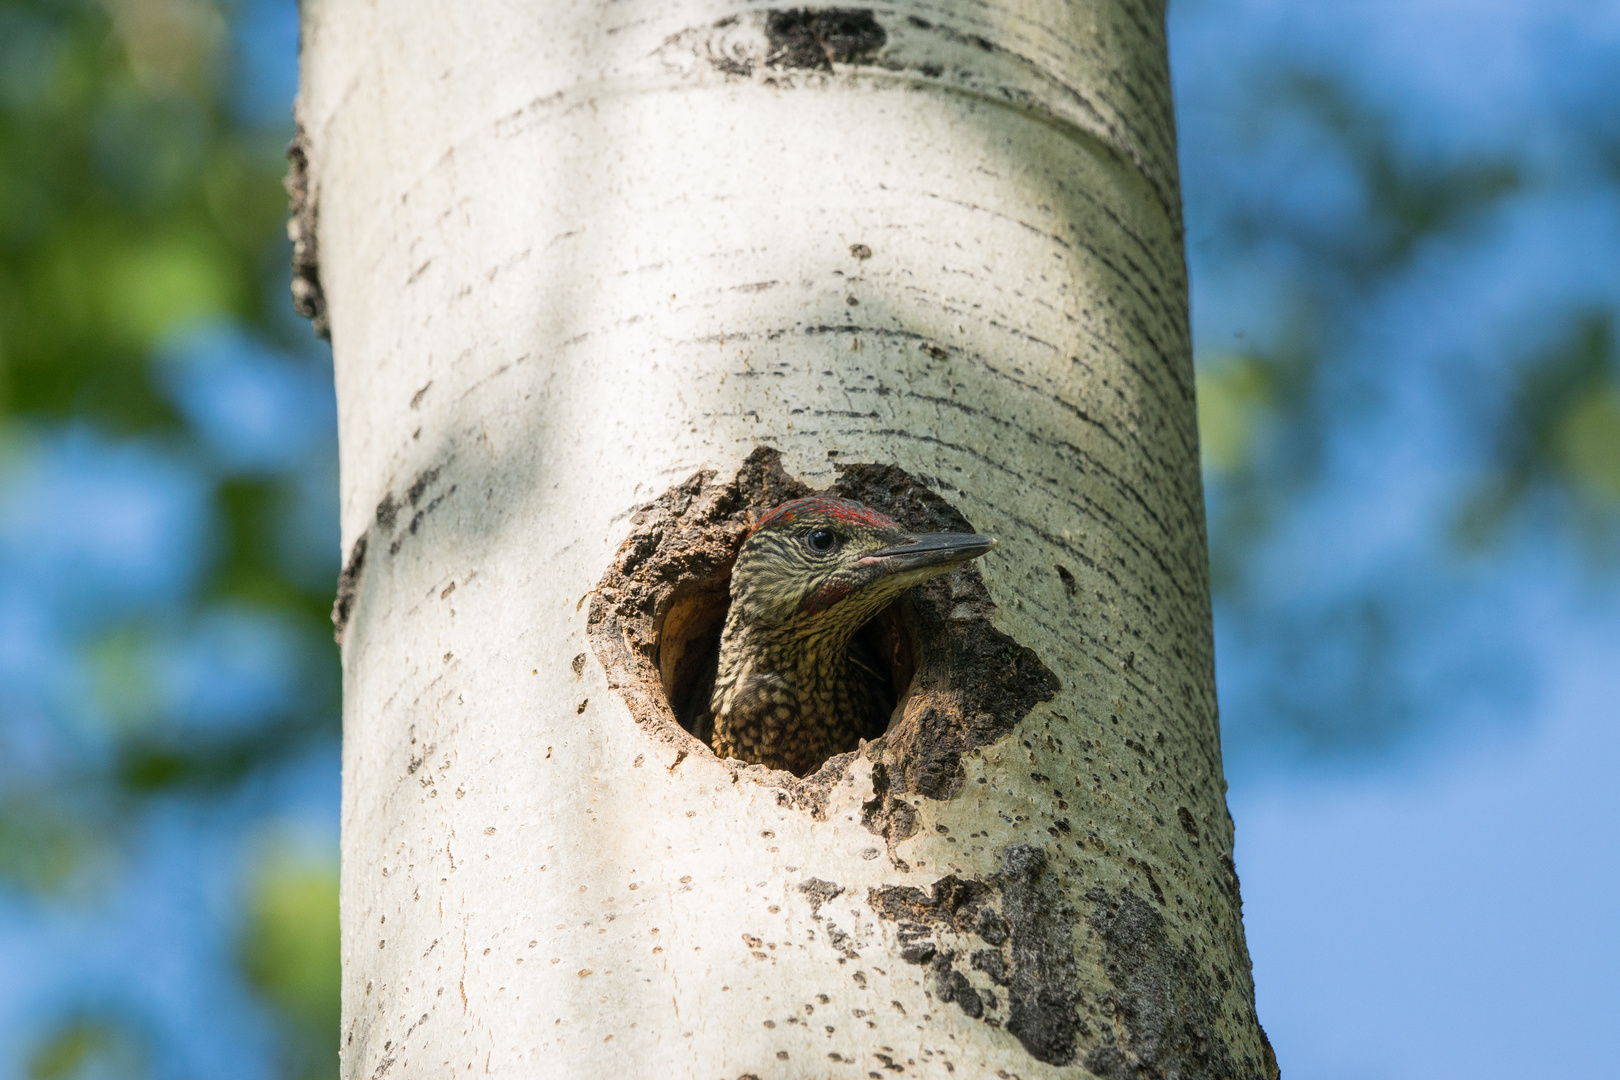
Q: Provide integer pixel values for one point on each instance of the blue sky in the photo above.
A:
(1451, 913)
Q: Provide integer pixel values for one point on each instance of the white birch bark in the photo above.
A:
(573, 253)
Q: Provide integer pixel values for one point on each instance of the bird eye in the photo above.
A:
(821, 541)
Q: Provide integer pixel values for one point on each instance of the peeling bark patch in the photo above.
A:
(1272, 1072)
(887, 816)
(817, 38)
(418, 517)
(1165, 1007)
(309, 298)
(1233, 887)
(656, 615)
(819, 892)
(1031, 947)
(951, 985)
(348, 584)
(950, 902)
(413, 495)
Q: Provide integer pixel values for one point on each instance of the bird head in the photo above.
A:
(830, 564)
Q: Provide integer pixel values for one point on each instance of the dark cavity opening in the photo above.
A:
(656, 617)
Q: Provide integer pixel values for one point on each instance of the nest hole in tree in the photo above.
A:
(656, 617)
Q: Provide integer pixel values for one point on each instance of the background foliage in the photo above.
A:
(167, 551)
(1402, 220)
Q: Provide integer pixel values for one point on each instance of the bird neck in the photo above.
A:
(789, 696)
(806, 653)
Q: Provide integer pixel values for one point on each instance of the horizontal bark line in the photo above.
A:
(1190, 579)
(1186, 434)
(1082, 460)
(905, 435)
(1167, 461)
(1173, 365)
(1139, 282)
(1171, 353)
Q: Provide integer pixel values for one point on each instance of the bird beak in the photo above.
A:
(929, 549)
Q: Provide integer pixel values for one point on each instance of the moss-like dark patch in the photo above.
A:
(1021, 914)
(1165, 1005)
(817, 38)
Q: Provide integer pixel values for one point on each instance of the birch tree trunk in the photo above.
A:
(580, 259)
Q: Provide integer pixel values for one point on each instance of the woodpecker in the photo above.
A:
(791, 689)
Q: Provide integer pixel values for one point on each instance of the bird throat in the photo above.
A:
(790, 697)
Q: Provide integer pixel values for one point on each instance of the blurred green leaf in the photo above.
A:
(145, 764)
(1587, 444)
(43, 844)
(1297, 391)
(251, 567)
(172, 45)
(89, 1048)
(1234, 395)
(1261, 432)
(1560, 433)
(132, 202)
(121, 676)
(1407, 200)
(291, 951)
(154, 288)
(136, 201)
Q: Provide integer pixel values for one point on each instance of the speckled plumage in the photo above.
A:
(791, 691)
